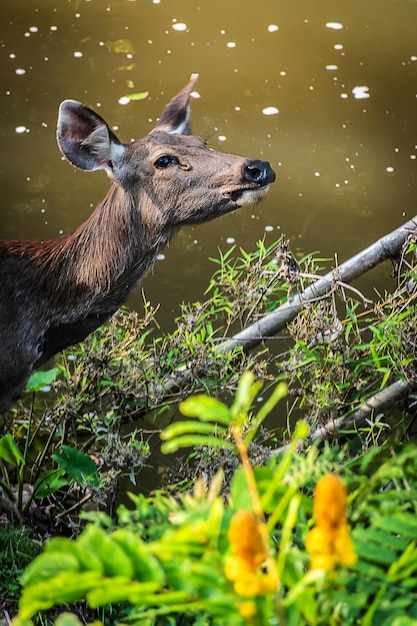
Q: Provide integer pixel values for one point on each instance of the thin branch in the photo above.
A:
(381, 402)
(378, 404)
(272, 323)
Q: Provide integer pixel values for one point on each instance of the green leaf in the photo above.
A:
(62, 588)
(49, 482)
(9, 451)
(96, 541)
(141, 95)
(78, 465)
(206, 409)
(373, 552)
(278, 393)
(245, 394)
(404, 621)
(119, 589)
(146, 567)
(67, 619)
(42, 378)
(398, 523)
(183, 428)
(240, 494)
(189, 441)
(48, 565)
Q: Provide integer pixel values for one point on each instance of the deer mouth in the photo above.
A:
(248, 195)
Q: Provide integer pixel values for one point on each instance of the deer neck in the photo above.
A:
(103, 259)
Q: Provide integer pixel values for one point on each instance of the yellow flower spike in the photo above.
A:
(245, 566)
(329, 542)
(330, 499)
(244, 535)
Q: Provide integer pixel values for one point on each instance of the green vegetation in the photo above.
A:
(64, 453)
(194, 556)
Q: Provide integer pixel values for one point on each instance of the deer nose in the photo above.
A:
(259, 172)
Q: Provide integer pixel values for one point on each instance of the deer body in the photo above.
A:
(53, 293)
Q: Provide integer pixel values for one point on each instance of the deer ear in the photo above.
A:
(175, 117)
(85, 139)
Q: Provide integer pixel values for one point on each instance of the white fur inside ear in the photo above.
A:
(182, 128)
(98, 143)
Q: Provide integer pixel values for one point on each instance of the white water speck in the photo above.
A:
(317, 174)
(344, 96)
(334, 25)
(283, 73)
(53, 28)
(78, 54)
(269, 229)
(12, 55)
(331, 67)
(20, 71)
(230, 240)
(21, 129)
(179, 26)
(124, 100)
(361, 92)
(160, 257)
(270, 111)
(338, 46)
(237, 108)
(222, 137)
(231, 44)
(33, 29)
(389, 169)
(272, 28)
(413, 58)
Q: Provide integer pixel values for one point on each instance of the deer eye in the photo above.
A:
(164, 161)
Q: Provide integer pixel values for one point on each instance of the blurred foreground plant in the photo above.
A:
(245, 561)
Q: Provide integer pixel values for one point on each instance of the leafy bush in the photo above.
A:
(244, 560)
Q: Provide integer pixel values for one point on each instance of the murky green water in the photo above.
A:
(345, 157)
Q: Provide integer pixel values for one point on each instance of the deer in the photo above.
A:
(55, 292)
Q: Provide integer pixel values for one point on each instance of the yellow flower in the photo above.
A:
(330, 501)
(247, 609)
(329, 542)
(243, 567)
(247, 584)
(244, 536)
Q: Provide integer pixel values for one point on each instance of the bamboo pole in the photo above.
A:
(379, 403)
(272, 323)
(375, 405)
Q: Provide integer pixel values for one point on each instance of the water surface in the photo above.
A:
(326, 91)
